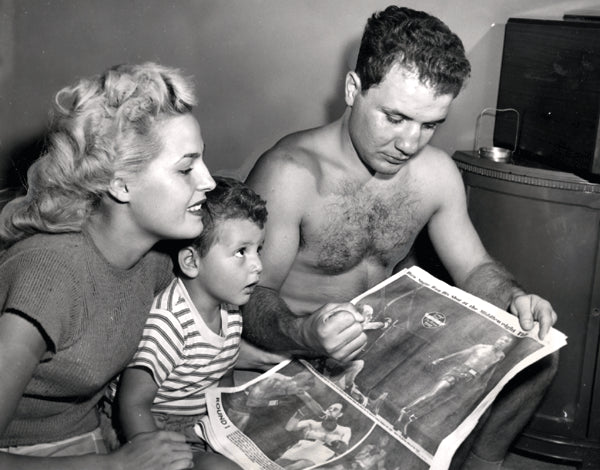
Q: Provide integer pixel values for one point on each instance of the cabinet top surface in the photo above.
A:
(470, 161)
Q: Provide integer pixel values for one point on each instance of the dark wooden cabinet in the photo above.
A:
(545, 227)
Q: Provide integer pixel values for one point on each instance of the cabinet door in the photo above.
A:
(550, 244)
(545, 227)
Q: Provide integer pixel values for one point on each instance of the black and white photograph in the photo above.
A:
(227, 226)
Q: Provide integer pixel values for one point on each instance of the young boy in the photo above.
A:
(192, 335)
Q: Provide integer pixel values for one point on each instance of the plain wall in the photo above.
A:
(263, 68)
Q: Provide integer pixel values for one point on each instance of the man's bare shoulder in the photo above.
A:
(437, 179)
(431, 155)
(435, 167)
(292, 160)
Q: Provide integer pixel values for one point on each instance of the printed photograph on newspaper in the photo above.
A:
(435, 360)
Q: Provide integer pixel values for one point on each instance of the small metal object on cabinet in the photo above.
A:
(497, 154)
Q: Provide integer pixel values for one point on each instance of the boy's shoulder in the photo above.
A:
(169, 298)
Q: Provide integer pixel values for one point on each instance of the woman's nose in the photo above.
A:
(204, 181)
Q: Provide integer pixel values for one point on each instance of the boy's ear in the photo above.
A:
(189, 261)
(351, 87)
(118, 189)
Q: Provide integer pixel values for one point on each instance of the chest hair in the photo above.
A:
(355, 224)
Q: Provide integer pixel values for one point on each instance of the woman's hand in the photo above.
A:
(160, 450)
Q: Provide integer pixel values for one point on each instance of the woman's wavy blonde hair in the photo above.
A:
(101, 126)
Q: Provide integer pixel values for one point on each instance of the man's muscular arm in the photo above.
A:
(285, 182)
(270, 323)
(333, 330)
(492, 282)
(464, 256)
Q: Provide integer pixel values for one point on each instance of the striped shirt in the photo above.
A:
(183, 354)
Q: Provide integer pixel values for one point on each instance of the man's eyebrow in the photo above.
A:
(439, 121)
(404, 116)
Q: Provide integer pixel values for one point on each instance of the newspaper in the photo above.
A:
(435, 359)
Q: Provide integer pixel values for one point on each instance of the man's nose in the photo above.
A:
(408, 138)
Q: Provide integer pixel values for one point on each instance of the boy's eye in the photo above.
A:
(186, 171)
(430, 127)
(240, 253)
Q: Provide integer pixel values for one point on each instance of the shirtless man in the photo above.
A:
(347, 200)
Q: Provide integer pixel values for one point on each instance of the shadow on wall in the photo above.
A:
(19, 158)
(335, 106)
(458, 132)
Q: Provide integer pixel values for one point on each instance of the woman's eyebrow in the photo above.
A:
(191, 156)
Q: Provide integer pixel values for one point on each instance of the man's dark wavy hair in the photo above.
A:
(231, 199)
(419, 42)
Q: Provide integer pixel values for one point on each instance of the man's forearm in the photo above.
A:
(269, 323)
(492, 282)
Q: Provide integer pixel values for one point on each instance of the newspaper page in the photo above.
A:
(435, 359)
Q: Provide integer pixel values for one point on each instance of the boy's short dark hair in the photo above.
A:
(231, 199)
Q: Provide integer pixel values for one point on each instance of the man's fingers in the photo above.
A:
(531, 308)
(547, 319)
(373, 325)
(526, 321)
(341, 324)
(342, 336)
(335, 330)
(351, 349)
(331, 310)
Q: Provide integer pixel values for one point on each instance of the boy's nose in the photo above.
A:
(257, 266)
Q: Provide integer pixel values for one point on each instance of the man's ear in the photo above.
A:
(118, 189)
(351, 87)
(189, 261)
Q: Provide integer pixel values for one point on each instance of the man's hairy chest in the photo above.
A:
(353, 225)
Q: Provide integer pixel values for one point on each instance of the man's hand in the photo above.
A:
(335, 330)
(530, 308)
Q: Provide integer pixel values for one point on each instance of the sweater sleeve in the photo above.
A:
(41, 286)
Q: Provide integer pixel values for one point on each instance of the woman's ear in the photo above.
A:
(118, 189)
(189, 261)
(351, 87)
